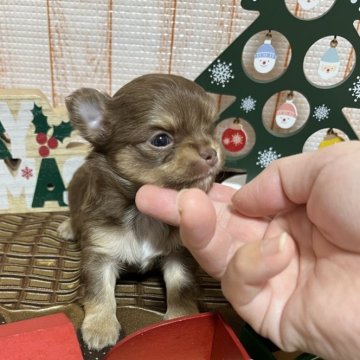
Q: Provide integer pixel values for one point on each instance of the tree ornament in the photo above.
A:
(330, 62)
(234, 138)
(308, 4)
(265, 56)
(331, 138)
(286, 113)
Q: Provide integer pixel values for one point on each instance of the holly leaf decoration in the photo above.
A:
(62, 131)
(40, 120)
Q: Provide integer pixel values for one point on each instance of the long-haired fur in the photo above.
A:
(157, 129)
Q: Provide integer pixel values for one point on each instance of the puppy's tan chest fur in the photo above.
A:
(137, 244)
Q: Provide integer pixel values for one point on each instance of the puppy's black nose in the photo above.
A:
(209, 155)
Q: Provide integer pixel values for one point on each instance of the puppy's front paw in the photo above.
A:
(177, 311)
(99, 332)
(65, 230)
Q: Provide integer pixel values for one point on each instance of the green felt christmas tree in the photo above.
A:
(227, 76)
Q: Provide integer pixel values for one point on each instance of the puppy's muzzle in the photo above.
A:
(209, 155)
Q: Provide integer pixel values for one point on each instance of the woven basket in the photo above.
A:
(40, 271)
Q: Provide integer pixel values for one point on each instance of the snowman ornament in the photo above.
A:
(308, 4)
(286, 115)
(330, 62)
(265, 56)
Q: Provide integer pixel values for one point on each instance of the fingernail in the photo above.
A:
(274, 245)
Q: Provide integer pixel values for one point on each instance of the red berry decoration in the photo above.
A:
(52, 143)
(44, 151)
(41, 138)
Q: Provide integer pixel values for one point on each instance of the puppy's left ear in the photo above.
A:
(87, 112)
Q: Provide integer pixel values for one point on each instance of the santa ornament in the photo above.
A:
(329, 62)
(234, 138)
(286, 114)
(308, 4)
(265, 56)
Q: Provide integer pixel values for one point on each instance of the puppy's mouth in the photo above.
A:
(202, 181)
(196, 173)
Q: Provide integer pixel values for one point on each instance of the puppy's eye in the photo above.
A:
(161, 140)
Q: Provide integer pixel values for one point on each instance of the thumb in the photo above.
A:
(198, 220)
(253, 265)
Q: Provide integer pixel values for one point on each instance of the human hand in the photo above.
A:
(286, 247)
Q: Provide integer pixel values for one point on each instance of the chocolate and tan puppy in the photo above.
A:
(157, 129)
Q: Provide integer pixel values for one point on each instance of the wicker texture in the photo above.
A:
(38, 269)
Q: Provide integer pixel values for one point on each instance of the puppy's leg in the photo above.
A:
(100, 327)
(65, 230)
(181, 287)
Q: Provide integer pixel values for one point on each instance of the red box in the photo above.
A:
(198, 337)
(50, 337)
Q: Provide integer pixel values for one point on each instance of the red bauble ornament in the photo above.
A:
(234, 138)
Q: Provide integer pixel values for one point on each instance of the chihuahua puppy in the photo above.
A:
(157, 129)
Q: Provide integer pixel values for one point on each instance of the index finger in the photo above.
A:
(287, 182)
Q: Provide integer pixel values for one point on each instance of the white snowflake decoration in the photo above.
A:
(221, 73)
(354, 2)
(248, 104)
(356, 89)
(266, 157)
(236, 139)
(226, 141)
(321, 112)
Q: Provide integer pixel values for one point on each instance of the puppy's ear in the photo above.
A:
(87, 112)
